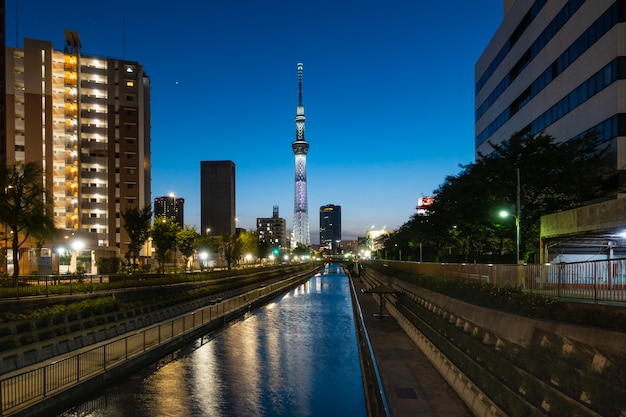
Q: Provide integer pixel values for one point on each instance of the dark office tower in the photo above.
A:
(272, 231)
(330, 226)
(171, 207)
(217, 197)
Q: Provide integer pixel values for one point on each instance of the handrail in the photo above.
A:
(24, 388)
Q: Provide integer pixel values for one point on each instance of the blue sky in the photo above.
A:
(388, 90)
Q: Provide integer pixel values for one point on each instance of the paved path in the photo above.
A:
(412, 386)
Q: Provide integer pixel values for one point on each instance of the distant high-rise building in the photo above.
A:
(217, 197)
(171, 207)
(272, 231)
(330, 226)
(86, 120)
(301, 232)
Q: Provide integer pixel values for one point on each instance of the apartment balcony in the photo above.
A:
(93, 145)
(86, 114)
(93, 129)
(93, 100)
(93, 85)
(93, 190)
(93, 206)
(91, 175)
(86, 220)
(93, 70)
(86, 159)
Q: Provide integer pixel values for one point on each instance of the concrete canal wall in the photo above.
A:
(33, 390)
(498, 361)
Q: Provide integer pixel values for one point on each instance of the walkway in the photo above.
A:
(412, 386)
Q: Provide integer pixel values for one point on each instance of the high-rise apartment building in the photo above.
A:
(171, 207)
(557, 67)
(272, 231)
(300, 147)
(217, 197)
(86, 120)
(330, 226)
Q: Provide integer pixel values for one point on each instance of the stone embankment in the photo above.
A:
(51, 385)
(27, 342)
(505, 364)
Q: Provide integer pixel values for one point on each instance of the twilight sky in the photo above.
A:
(388, 91)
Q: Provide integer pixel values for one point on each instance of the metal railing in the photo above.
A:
(46, 285)
(592, 280)
(21, 389)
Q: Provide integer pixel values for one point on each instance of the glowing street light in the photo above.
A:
(505, 213)
(203, 257)
(78, 246)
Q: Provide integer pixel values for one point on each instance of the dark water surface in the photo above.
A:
(297, 356)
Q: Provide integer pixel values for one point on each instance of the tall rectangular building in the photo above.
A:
(330, 226)
(217, 197)
(86, 120)
(171, 207)
(557, 67)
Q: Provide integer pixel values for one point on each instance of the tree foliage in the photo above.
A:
(164, 231)
(137, 225)
(25, 206)
(249, 243)
(186, 239)
(231, 248)
(463, 223)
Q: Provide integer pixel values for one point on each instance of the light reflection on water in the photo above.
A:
(297, 356)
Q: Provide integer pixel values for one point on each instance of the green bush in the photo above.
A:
(109, 265)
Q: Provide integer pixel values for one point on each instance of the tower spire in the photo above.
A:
(300, 84)
(301, 233)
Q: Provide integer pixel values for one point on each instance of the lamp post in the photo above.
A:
(505, 213)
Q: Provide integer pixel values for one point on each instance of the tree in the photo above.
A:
(206, 245)
(137, 225)
(231, 248)
(25, 206)
(186, 239)
(249, 244)
(463, 224)
(164, 232)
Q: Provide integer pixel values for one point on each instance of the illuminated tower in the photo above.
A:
(301, 234)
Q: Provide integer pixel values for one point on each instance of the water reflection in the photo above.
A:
(295, 357)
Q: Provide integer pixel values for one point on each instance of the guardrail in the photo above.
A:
(21, 389)
(592, 280)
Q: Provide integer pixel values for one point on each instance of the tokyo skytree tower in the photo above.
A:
(301, 233)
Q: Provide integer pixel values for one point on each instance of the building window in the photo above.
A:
(130, 83)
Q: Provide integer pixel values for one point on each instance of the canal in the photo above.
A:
(297, 356)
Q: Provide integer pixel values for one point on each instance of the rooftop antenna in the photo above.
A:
(124, 38)
(16, 26)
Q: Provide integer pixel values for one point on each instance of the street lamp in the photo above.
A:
(78, 246)
(203, 258)
(505, 213)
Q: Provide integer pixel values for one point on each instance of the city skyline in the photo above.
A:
(390, 94)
